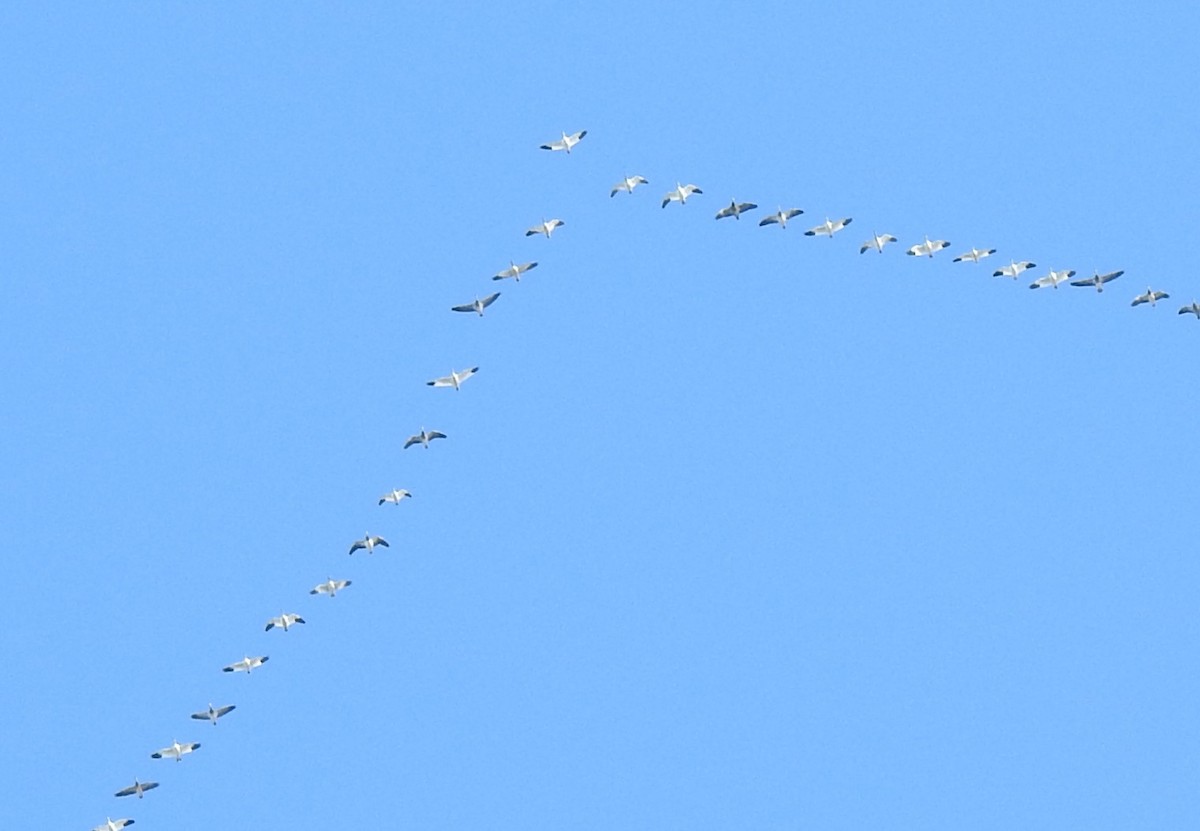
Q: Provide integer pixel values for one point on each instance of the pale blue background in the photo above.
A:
(734, 529)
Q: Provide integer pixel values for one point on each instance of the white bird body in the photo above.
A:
(423, 438)
(1052, 279)
(928, 248)
(828, 228)
(1098, 280)
(214, 713)
(113, 824)
(454, 379)
(138, 788)
(247, 664)
(330, 587)
(175, 751)
(680, 194)
(627, 184)
(546, 228)
(1151, 296)
(975, 255)
(877, 241)
(368, 542)
(478, 306)
(515, 271)
(780, 217)
(735, 209)
(566, 142)
(1014, 269)
(395, 495)
(285, 621)
(1193, 309)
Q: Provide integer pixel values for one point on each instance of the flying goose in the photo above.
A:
(368, 542)
(1052, 279)
(877, 241)
(1098, 280)
(627, 184)
(478, 306)
(974, 255)
(213, 713)
(285, 621)
(454, 379)
(680, 194)
(395, 495)
(330, 587)
(566, 142)
(514, 271)
(1151, 296)
(1193, 309)
(546, 228)
(928, 248)
(1014, 269)
(735, 209)
(780, 217)
(247, 664)
(423, 438)
(176, 751)
(138, 788)
(828, 228)
(113, 824)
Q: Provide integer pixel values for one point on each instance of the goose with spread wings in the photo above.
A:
(395, 495)
(1053, 279)
(137, 788)
(680, 194)
(546, 228)
(1098, 280)
(828, 228)
(113, 824)
(423, 438)
(1151, 296)
(928, 248)
(780, 217)
(1193, 309)
(247, 664)
(566, 142)
(627, 184)
(285, 621)
(477, 306)
(368, 543)
(877, 241)
(176, 751)
(330, 587)
(515, 271)
(1014, 269)
(213, 713)
(454, 379)
(974, 255)
(735, 209)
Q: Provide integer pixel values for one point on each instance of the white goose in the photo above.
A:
(1193, 309)
(285, 621)
(974, 255)
(680, 194)
(1052, 279)
(828, 228)
(368, 542)
(247, 664)
(1098, 280)
(1151, 296)
(113, 824)
(566, 142)
(627, 184)
(330, 587)
(780, 217)
(213, 713)
(515, 271)
(928, 248)
(877, 241)
(423, 438)
(1014, 269)
(454, 379)
(478, 306)
(546, 228)
(735, 209)
(138, 788)
(176, 751)
(395, 495)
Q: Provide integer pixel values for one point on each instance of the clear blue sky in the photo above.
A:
(735, 528)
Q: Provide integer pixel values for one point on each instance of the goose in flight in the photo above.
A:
(113, 824)
(138, 788)
(423, 438)
(877, 241)
(213, 713)
(546, 228)
(828, 228)
(176, 751)
(368, 542)
(478, 306)
(735, 209)
(627, 184)
(1014, 269)
(780, 217)
(1151, 296)
(1052, 279)
(454, 379)
(247, 664)
(1193, 309)
(330, 587)
(1098, 280)
(285, 621)
(975, 255)
(515, 271)
(566, 142)
(928, 248)
(680, 194)
(395, 495)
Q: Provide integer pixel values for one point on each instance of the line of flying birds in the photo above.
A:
(680, 193)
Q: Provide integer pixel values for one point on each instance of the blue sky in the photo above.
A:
(734, 527)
